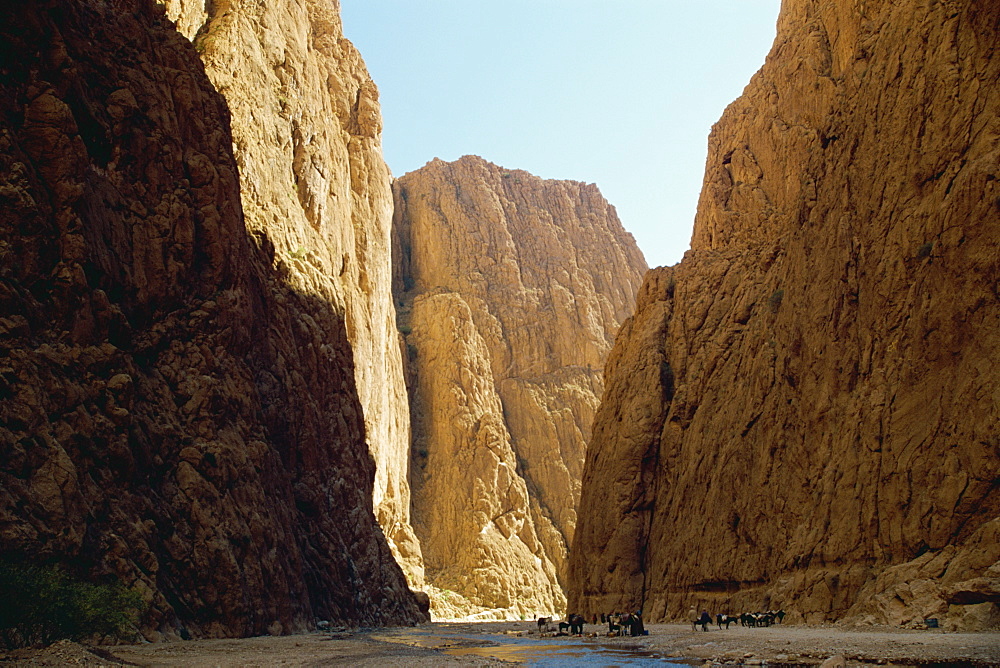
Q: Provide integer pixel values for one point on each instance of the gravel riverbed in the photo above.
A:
(488, 644)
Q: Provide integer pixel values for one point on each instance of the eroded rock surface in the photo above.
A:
(307, 132)
(178, 405)
(802, 413)
(511, 289)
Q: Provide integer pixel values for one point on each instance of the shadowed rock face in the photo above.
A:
(306, 129)
(176, 408)
(511, 289)
(802, 413)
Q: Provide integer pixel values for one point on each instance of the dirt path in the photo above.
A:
(777, 645)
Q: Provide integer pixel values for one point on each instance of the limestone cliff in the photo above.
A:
(802, 413)
(178, 405)
(511, 289)
(306, 128)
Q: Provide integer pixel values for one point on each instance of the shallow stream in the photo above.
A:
(544, 652)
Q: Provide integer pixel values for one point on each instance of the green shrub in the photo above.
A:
(775, 300)
(42, 604)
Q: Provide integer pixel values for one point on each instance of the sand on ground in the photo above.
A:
(775, 645)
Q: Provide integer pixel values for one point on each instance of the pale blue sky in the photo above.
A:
(621, 94)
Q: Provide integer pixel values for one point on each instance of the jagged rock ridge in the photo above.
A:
(510, 290)
(178, 407)
(802, 413)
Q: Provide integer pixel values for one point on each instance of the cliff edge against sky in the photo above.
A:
(510, 289)
(802, 413)
(307, 138)
(179, 406)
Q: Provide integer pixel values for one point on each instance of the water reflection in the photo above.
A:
(559, 652)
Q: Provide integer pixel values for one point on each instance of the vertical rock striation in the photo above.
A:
(511, 289)
(802, 413)
(178, 406)
(306, 129)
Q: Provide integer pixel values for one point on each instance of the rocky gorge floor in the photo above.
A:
(504, 643)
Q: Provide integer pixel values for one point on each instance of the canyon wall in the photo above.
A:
(510, 290)
(179, 403)
(306, 129)
(802, 413)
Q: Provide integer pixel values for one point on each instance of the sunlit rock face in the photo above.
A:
(306, 129)
(510, 289)
(802, 413)
(178, 402)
